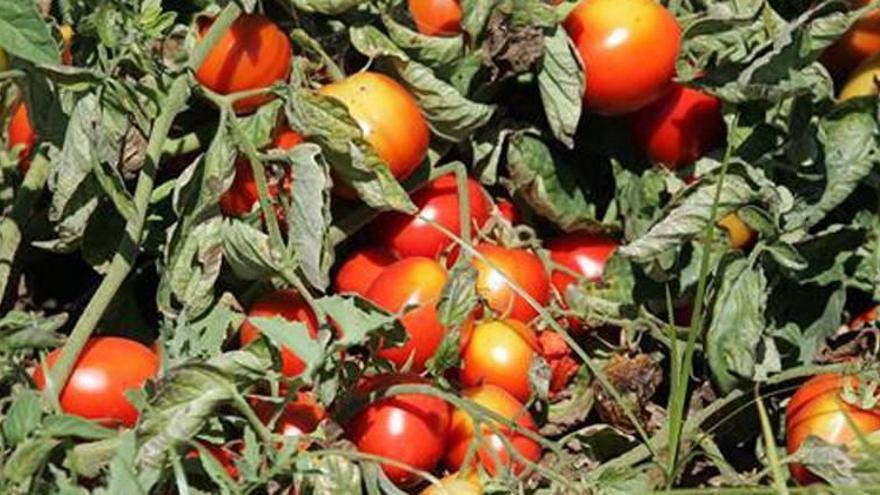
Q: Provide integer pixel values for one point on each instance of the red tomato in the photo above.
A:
(500, 353)
(412, 282)
(409, 235)
(359, 270)
(436, 17)
(860, 42)
(868, 317)
(21, 134)
(389, 118)
(509, 211)
(242, 195)
(583, 253)
(817, 409)
(680, 127)
(291, 306)
(225, 455)
(461, 432)
(253, 54)
(407, 428)
(523, 269)
(629, 48)
(106, 368)
(300, 417)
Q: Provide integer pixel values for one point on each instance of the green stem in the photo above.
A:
(218, 28)
(770, 445)
(245, 409)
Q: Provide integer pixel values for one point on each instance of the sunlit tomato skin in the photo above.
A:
(291, 306)
(410, 235)
(242, 195)
(436, 17)
(500, 353)
(461, 431)
(408, 428)
(679, 128)
(509, 212)
(456, 484)
(817, 409)
(21, 135)
(861, 41)
(106, 368)
(389, 118)
(253, 54)
(415, 282)
(361, 268)
(629, 48)
(739, 234)
(583, 253)
(523, 268)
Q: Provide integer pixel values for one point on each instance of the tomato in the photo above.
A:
(252, 54)
(300, 417)
(559, 357)
(817, 409)
(866, 318)
(415, 282)
(861, 41)
(629, 48)
(456, 484)
(242, 195)
(226, 455)
(680, 127)
(523, 268)
(21, 135)
(359, 270)
(409, 235)
(407, 428)
(740, 235)
(291, 306)
(509, 211)
(584, 254)
(863, 80)
(500, 353)
(67, 42)
(461, 432)
(106, 368)
(389, 118)
(436, 17)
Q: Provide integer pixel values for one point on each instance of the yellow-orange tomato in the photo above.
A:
(861, 41)
(253, 54)
(817, 410)
(863, 80)
(740, 235)
(500, 353)
(291, 306)
(67, 42)
(389, 118)
(22, 135)
(522, 268)
(491, 445)
(436, 17)
(629, 48)
(456, 484)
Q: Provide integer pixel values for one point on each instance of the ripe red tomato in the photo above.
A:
(291, 306)
(817, 409)
(866, 318)
(436, 17)
(680, 127)
(21, 134)
(409, 235)
(300, 417)
(509, 211)
(253, 54)
(629, 48)
(107, 367)
(389, 118)
(242, 195)
(583, 254)
(359, 270)
(861, 41)
(500, 353)
(225, 455)
(415, 282)
(523, 268)
(461, 432)
(408, 428)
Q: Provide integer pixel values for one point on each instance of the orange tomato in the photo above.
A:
(361, 268)
(500, 353)
(740, 235)
(523, 268)
(412, 282)
(817, 409)
(389, 118)
(291, 306)
(253, 54)
(629, 48)
(456, 484)
(861, 41)
(491, 444)
(436, 17)
(21, 135)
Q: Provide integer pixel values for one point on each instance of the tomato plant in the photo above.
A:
(500, 353)
(291, 306)
(503, 266)
(629, 48)
(436, 17)
(106, 369)
(21, 134)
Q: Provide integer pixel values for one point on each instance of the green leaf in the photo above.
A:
(67, 426)
(294, 336)
(23, 417)
(20, 330)
(28, 457)
(356, 318)
(456, 307)
(23, 33)
(330, 7)
(440, 53)
(561, 81)
(309, 215)
(247, 251)
(124, 475)
(193, 269)
(475, 16)
(205, 337)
